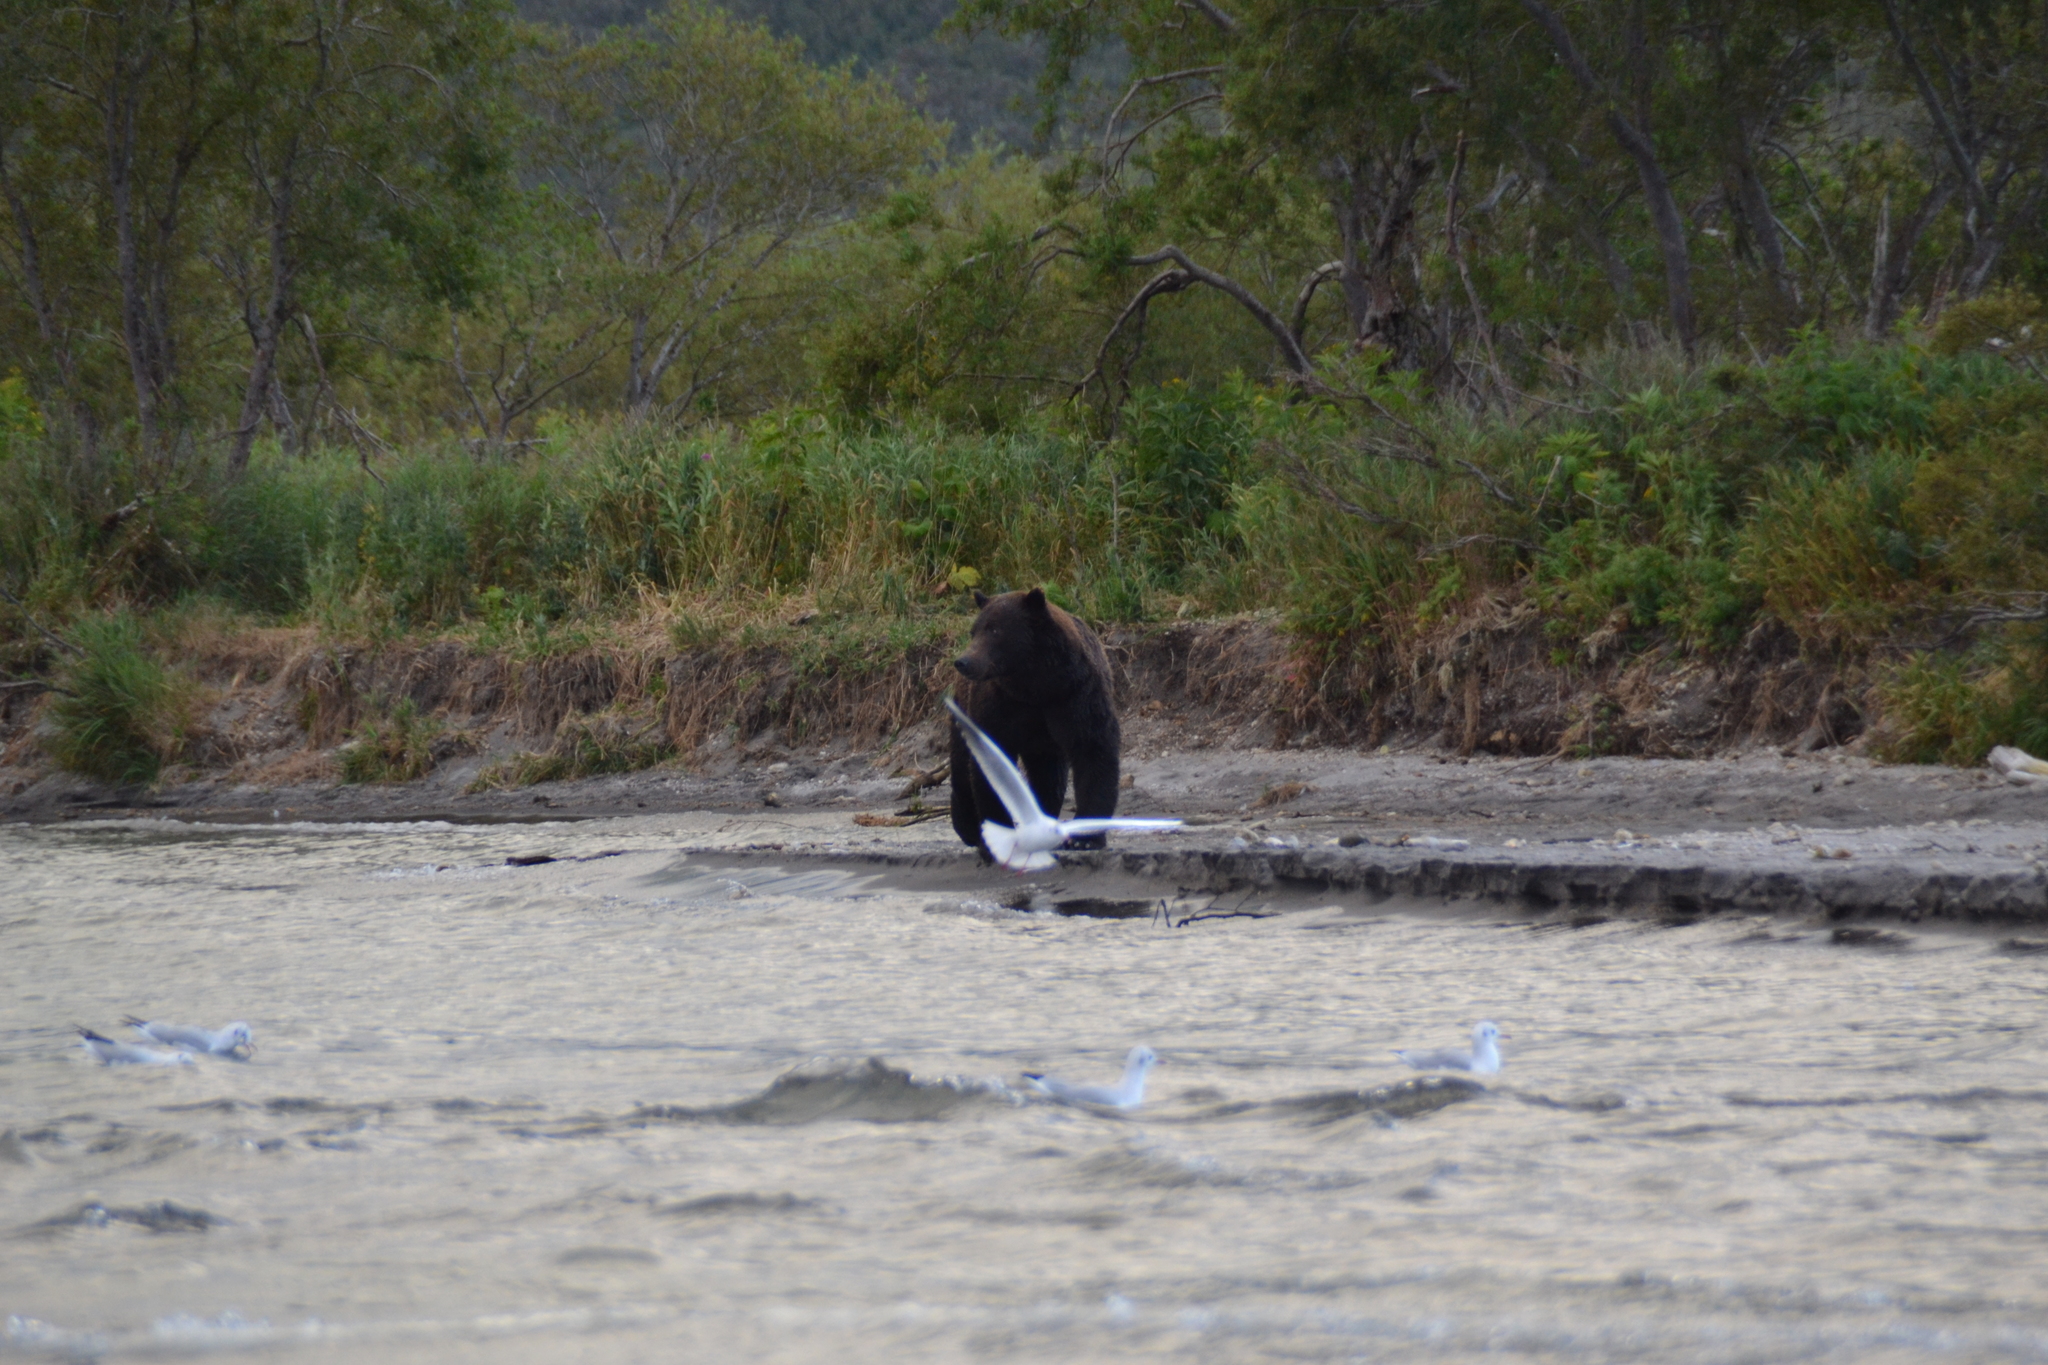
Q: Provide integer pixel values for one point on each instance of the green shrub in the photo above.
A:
(394, 748)
(1831, 551)
(121, 715)
(1953, 709)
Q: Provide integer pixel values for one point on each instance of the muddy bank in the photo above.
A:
(1223, 725)
(1864, 887)
(1832, 840)
(280, 709)
(1981, 876)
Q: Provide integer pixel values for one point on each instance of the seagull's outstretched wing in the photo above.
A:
(1098, 824)
(996, 766)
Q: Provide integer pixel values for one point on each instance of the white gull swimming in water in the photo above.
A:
(1483, 1058)
(1128, 1093)
(229, 1040)
(129, 1054)
(1028, 847)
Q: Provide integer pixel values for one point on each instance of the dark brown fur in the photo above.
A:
(1038, 682)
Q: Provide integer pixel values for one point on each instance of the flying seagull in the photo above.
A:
(229, 1040)
(129, 1054)
(1029, 846)
(1484, 1058)
(1128, 1093)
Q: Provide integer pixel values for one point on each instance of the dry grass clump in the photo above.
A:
(584, 746)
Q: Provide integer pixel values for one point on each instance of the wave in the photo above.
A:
(1598, 1102)
(1153, 1167)
(827, 1088)
(162, 1216)
(734, 1204)
(1402, 1100)
(1953, 1099)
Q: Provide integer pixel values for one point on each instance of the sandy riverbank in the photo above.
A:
(1834, 837)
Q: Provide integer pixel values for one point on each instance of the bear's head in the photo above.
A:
(1016, 639)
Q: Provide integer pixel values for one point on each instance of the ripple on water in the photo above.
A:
(1700, 1149)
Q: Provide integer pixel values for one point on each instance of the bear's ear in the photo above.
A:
(980, 598)
(1035, 601)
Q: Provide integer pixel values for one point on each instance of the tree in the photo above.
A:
(359, 129)
(132, 97)
(1979, 69)
(699, 151)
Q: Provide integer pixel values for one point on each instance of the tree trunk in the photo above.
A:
(1891, 267)
(123, 95)
(52, 334)
(1753, 204)
(1371, 243)
(1665, 217)
(268, 332)
(637, 396)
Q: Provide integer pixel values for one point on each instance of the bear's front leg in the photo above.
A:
(966, 811)
(1094, 757)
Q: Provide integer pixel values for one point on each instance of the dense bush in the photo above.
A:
(1858, 495)
(121, 715)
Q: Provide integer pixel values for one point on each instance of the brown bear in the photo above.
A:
(1038, 682)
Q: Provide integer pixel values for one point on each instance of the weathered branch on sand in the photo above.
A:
(2009, 607)
(33, 685)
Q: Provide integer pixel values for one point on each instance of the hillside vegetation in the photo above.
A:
(1671, 332)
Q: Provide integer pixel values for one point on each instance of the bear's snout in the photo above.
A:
(971, 668)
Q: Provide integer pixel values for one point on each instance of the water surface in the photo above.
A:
(624, 1106)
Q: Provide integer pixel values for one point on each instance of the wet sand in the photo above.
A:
(1833, 836)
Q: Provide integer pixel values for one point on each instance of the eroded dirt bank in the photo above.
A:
(1752, 807)
(276, 709)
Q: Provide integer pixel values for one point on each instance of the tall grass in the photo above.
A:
(1853, 493)
(121, 715)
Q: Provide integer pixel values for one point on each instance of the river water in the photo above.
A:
(622, 1108)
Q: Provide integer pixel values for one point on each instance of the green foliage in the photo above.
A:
(2008, 322)
(1978, 510)
(398, 747)
(121, 715)
(1901, 489)
(1953, 709)
(1182, 452)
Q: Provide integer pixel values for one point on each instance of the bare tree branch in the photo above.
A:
(1116, 114)
(1665, 216)
(1165, 282)
(1290, 347)
(1965, 164)
(1317, 278)
(1213, 14)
